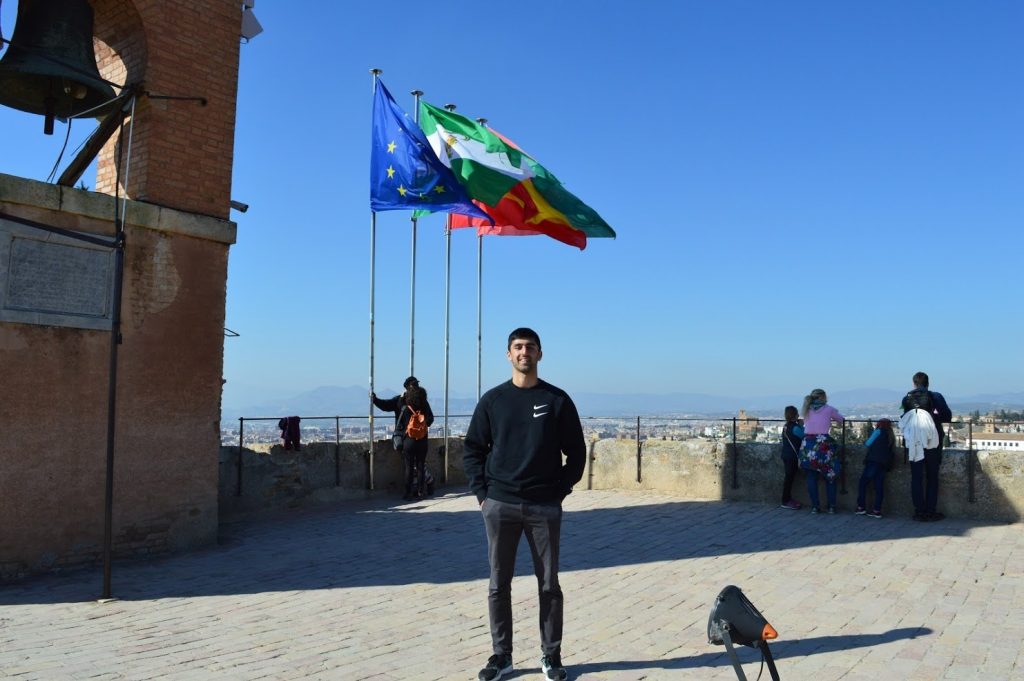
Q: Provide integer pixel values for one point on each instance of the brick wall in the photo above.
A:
(55, 379)
(182, 152)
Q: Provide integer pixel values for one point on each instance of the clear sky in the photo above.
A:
(805, 194)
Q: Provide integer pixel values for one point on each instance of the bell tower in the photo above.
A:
(112, 312)
(183, 53)
(182, 60)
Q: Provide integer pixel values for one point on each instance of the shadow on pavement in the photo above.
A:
(780, 651)
(378, 543)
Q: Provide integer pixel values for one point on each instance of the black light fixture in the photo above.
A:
(735, 620)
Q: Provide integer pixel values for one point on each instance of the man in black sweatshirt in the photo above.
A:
(513, 458)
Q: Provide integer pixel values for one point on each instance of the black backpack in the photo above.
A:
(920, 399)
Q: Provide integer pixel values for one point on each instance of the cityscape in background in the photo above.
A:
(339, 413)
(998, 429)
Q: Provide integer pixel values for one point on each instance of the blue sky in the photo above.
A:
(805, 194)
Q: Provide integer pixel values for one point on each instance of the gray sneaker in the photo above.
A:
(497, 667)
(552, 667)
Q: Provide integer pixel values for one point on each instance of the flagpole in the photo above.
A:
(416, 94)
(447, 308)
(373, 258)
(479, 299)
(479, 308)
(447, 319)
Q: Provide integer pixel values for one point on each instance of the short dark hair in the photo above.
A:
(921, 379)
(791, 411)
(523, 333)
(412, 380)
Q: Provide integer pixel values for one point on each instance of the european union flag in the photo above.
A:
(405, 173)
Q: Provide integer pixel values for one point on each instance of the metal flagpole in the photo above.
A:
(479, 308)
(479, 298)
(447, 308)
(373, 258)
(447, 320)
(416, 94)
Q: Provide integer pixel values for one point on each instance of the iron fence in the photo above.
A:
(733, 430)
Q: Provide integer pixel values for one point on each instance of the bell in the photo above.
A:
(49, 67)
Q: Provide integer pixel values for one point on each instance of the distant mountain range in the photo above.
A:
(352, 401)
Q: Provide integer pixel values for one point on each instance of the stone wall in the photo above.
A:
(701, 469)
(322, 472)
(691, 469)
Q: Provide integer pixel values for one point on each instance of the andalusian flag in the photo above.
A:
(518, 193)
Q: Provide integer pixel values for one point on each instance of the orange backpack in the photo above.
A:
(416, 428)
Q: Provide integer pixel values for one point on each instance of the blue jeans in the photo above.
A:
(924, 481)
(875, 472)
(812, 489)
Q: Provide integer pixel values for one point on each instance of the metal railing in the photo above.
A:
(718, 428)
(383, 430)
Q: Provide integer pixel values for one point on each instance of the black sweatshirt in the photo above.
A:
(513, 448)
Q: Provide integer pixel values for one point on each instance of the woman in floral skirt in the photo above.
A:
(819, 455)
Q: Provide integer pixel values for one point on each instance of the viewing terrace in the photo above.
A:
(373, 589)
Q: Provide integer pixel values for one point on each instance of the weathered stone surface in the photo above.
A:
(320, 473)
(689, 469)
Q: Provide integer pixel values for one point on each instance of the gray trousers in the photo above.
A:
(505, 524)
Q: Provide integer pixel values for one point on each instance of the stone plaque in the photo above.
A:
(54, 280)
(47, 277)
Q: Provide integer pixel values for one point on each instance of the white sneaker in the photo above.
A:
(552, 667)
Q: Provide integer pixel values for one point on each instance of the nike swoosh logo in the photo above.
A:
(543, 413)
(539, 406)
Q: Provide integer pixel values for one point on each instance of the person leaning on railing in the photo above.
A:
(924, 472)
(819, 454)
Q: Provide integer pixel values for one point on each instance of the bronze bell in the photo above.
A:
(49, 67)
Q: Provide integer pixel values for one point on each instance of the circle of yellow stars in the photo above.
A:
(438, 189)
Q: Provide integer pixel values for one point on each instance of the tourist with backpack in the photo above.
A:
(924, 472)
(413, 417)
(413, 422)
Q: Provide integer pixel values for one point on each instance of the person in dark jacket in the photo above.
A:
(792, 440)
(877, 462)
(512, 456)
(414, 452)
(924, 474)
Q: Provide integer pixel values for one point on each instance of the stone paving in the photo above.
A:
(380, 590)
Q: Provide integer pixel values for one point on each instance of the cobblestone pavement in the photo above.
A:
(381, 590)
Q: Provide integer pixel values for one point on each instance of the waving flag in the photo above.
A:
(520, 195)
(405, 173)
